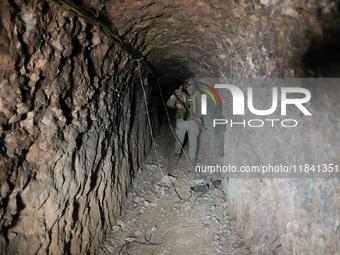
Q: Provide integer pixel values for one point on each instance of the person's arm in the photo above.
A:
(173, 102)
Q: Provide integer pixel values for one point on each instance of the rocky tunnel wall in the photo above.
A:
(73, 130)
(73, 123)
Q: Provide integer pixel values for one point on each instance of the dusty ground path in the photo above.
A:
(163, 215)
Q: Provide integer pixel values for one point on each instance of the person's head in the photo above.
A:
(186, 86)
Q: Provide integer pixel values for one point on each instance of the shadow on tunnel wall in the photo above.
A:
(173, 72)
(322, 59)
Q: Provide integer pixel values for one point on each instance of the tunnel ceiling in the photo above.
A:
(220, 38)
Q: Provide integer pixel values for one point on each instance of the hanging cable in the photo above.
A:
(91, 17)
(148, 116)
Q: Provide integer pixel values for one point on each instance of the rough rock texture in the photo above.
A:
(287, 215)
(72, 132)
(220, 38)
(72, 122)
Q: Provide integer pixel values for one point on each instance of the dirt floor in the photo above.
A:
(173, 210)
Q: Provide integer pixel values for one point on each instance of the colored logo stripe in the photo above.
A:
(207, 91)
(212, 89)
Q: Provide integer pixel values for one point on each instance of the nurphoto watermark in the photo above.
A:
(261, 127)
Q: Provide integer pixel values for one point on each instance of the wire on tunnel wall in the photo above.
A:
(92, 18)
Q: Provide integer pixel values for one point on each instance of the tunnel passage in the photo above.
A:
(74, 127)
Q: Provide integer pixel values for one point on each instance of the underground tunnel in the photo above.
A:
(85, 141)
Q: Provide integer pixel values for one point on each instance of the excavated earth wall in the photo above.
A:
(73, 126)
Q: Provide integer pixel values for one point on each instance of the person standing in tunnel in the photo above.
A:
(187, 120)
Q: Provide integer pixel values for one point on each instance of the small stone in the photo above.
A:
(217, 221)
(22, 108)
(207, 217)
(5, 189)
(121, 224)
(138, 199)
(11, 235)
(154, 228)
(34, 77)
(130, 239)
(13, 119)
(158, 187)
(48, 117)
(217, 250)
(138, 233)
(95, 39)
(237, 244)
(116, 228)
(10, 145)
(196, 182)
(23, 70)
(110, 249)
(167, 191)
(139, 170)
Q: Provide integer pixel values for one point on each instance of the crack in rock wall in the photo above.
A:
(72, 120)
(73, 131)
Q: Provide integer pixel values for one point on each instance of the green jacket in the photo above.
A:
(193, 101)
